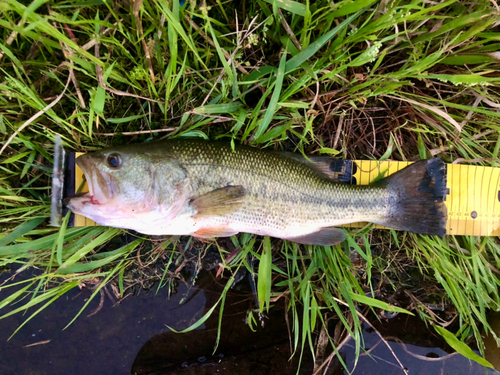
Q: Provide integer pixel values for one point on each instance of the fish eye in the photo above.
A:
(114, 161)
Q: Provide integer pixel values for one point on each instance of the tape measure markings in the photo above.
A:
(463, 179)
(491, 217)
(466, 210)
(497, 187)
(471, 205)
(474, 215)
(450, 178)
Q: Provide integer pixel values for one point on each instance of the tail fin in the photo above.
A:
(417, 196)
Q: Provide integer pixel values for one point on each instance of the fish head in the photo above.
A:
(127, 184)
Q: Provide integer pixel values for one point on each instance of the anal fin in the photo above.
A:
(219, 202)
(214, 232)
(323, 237)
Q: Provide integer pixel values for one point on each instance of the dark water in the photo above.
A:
(417, 347)
(132, 338)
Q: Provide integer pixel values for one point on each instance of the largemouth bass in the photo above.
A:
(205, 189)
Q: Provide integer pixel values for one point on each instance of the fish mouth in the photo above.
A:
(100, 183)
(68, 199)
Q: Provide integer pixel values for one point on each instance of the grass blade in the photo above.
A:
(20, 231)
(265, 275)
(460, 347)
(315, 46)
(273, 103)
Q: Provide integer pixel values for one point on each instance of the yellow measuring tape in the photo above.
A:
(473, 199)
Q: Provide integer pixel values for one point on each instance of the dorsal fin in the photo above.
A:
(334, 169)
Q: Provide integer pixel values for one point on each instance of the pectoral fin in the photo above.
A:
(323, 237)
(219, 202)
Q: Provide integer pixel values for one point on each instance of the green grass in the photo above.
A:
(402, 80)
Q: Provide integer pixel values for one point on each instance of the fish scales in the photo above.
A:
(281, 192)
(207, 189)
